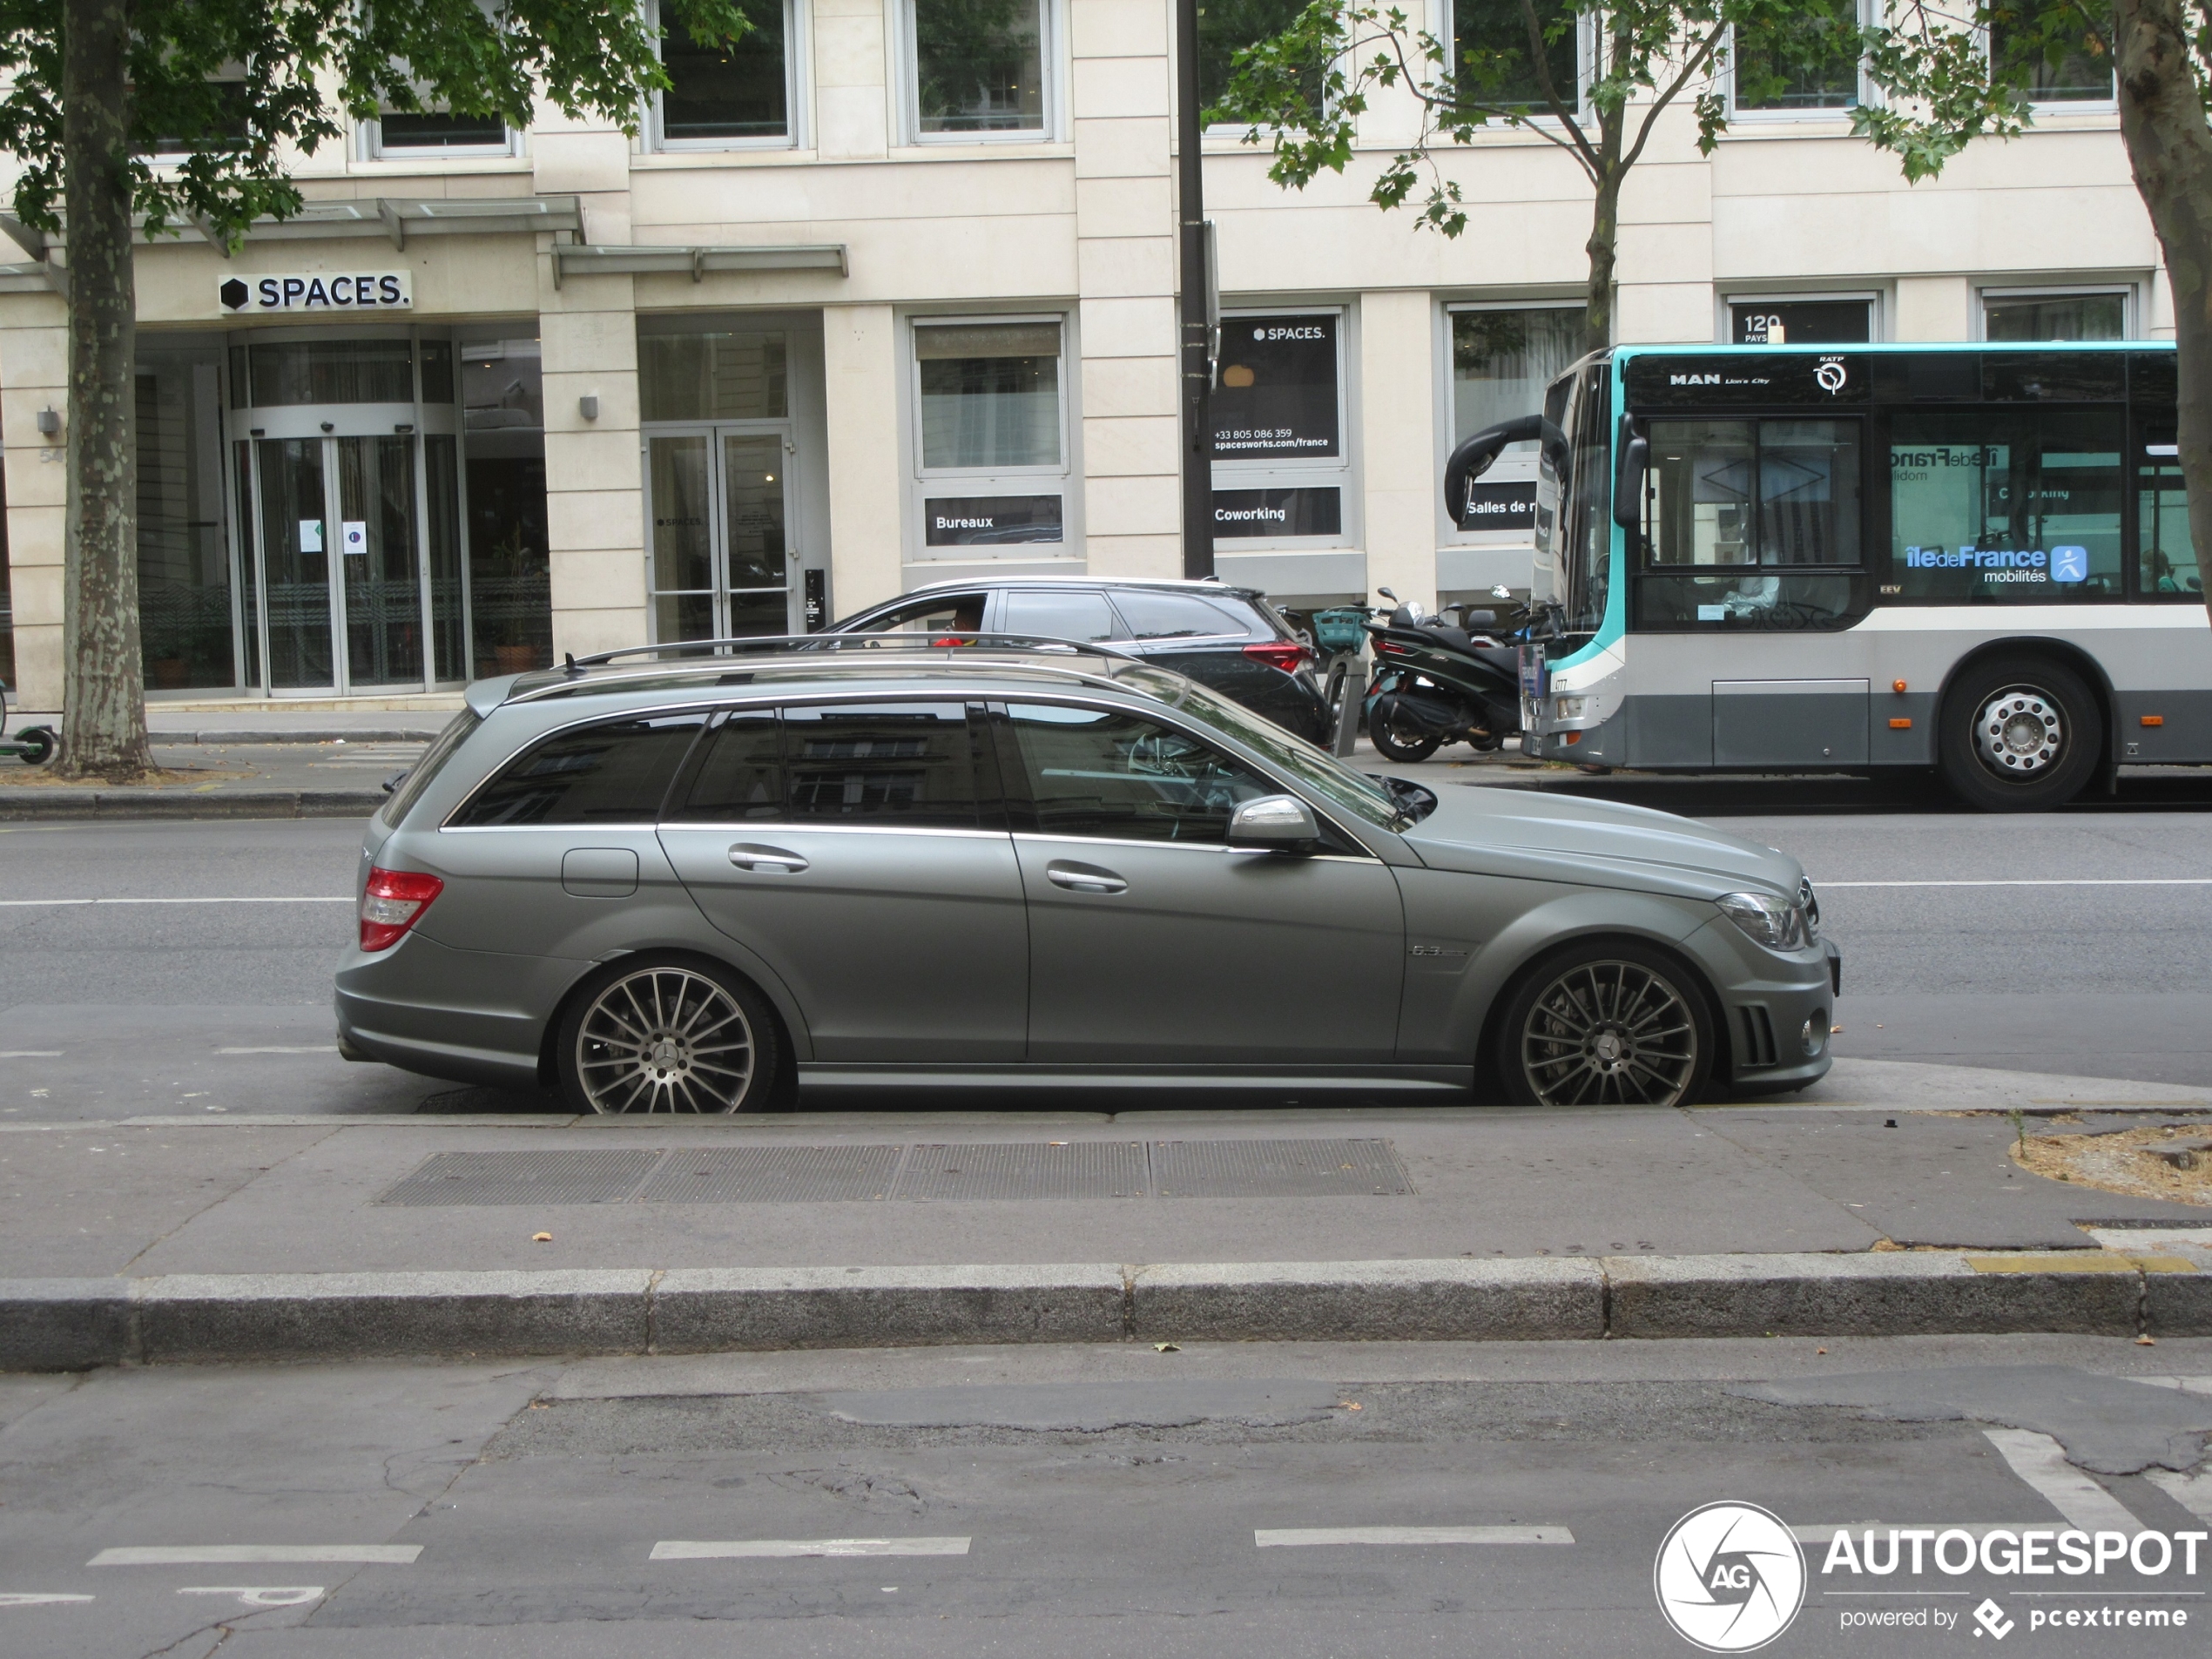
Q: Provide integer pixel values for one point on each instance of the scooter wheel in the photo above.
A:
(1406, 748)
(37, 744)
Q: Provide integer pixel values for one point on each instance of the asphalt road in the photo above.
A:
(1247, 1501)
(2068, 943)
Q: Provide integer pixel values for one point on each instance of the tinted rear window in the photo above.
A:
(911, 764)
(1175, 616)
(614, 772)
(1056, 615)
(458, 730)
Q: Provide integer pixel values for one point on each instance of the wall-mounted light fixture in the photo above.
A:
(403, 427)
(588, 406)
(49, 422)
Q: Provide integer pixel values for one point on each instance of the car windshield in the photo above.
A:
(1321, 772)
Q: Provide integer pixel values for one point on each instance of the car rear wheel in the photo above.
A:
(2019, 735)
(667, 1035)
(1607, 1023)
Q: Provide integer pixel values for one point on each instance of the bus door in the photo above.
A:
(1752, 556)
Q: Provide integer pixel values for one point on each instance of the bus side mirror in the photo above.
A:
(1473, 458)
(1632, 462)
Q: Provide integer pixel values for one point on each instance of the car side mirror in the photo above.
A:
(1276, 823)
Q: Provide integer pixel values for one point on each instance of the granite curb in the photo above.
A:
(22, 804)
(68, 1324)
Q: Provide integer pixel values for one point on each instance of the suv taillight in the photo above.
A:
(392, 902)
(1285, 654)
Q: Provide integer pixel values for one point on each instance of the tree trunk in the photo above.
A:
(104, 710)
(1604, 248)
(2169, 148)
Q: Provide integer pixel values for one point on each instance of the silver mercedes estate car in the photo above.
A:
(693, 885)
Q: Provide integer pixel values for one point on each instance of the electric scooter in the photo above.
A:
(34, 746)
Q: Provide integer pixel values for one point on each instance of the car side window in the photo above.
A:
(615, 771)
(1056, 615)
(943, 613)
(909, 763)
(1118, 776)
(1173, 615)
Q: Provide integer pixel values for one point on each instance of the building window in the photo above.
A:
(2048, 315)
(720, 374)
(1800, 322)
(510, 582)
(438, 132)
(220, 124)
(1227, 27)
(1281, 470)
(2054, 56)
(721, 94)
(978, 67)
(186, 618)
(1493, 61)
(1501, 361)
(990, 434)
(1815, 69)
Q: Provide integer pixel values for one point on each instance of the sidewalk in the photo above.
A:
(270, 1237)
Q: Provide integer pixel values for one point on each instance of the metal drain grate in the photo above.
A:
(1277, 1170)
(606, 1175)
(1024, 1170)
(773, 1175)
(932, 1173)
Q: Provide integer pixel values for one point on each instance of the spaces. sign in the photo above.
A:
(319, 291)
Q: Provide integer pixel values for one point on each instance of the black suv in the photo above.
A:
(1229, 638)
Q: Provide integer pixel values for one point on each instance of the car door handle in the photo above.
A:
(748, 856)
(1084, 878)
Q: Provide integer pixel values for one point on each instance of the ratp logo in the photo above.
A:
(1829, 376)
(1729, 1577)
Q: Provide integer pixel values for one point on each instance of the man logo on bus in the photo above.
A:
(2069, 564)
(1829, 376)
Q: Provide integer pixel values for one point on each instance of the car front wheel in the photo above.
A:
(666, 1036)
(1607, 1023)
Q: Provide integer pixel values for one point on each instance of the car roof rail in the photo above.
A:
(947, 642)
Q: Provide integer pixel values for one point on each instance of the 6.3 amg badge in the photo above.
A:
(1729, 1577)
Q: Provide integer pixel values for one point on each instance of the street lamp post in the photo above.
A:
(1197, 327)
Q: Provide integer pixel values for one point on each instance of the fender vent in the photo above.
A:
(1758, 1036)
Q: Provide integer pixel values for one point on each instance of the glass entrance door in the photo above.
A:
(719, 532)
(339, 546)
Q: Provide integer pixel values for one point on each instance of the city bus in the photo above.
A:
(1969, 557)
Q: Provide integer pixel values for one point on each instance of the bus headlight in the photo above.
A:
(1775, 923)
(1570, 708)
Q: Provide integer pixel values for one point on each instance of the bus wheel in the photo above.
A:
(2019, 735)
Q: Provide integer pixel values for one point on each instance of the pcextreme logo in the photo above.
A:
(1729, 1577)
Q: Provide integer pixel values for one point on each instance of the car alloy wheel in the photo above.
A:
(1606, 1033)
(2020, 731)
(664, 1039)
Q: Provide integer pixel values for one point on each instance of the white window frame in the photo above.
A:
(1052, 28)
(924, 482)
(2129, 293)
(1869, 94)
(1585, 61)
(1339, 472)
(1876, 316)
(797, 51)
(375, 148)
(1448, 531)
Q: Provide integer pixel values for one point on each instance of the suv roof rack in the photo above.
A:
(798, 644)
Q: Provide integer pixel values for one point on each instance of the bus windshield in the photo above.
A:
(1573, 522)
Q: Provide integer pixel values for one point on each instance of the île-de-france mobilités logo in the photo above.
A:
(1729, 1577)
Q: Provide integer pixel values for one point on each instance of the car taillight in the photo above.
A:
(1285, 654)
(393, 902)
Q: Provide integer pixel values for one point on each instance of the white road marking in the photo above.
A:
(34, 1598)
(1303, 1537)
(258, 1596)
(2192, 1492)
(2040, 1460)
(2187, 1385)
(314, 1048)
(51, 904)
(787, 1548)
(30, 1054)
(208, 1554)
(2090, 881)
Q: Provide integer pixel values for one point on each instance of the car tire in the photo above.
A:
(1605, 1022)
(667, 1033)
(1407, 749)
(2019, 734)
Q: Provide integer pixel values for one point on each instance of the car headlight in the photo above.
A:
(1775, 923)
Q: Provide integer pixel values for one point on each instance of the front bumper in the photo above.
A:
(1776, 1008)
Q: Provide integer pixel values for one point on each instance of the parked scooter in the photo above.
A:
(34, 746)
(1438, 683)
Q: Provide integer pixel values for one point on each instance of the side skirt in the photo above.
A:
(1392, 1080)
